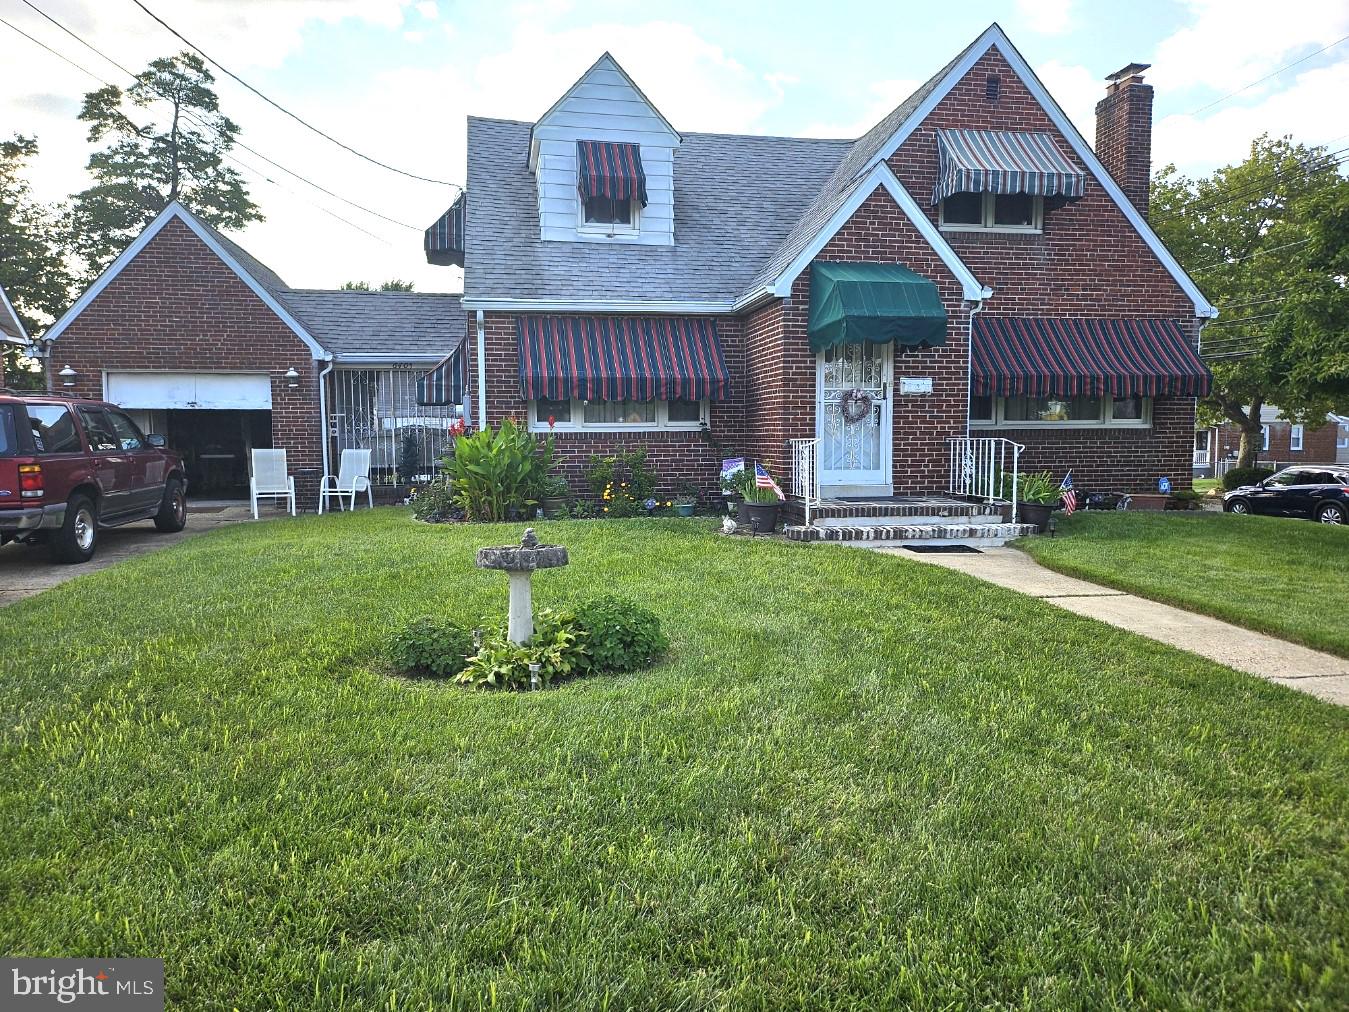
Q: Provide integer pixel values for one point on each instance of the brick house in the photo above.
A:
(870, 318)
(207, 346)
(1283, 443)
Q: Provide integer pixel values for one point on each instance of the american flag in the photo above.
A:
(1069, 496)
(763, 479)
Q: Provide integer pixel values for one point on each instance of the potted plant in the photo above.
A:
(686, 499)
(760, 506)
(553, 495)
(1037, 497)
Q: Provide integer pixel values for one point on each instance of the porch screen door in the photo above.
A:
(854, 439)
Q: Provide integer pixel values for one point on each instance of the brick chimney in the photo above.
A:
(1124, 132)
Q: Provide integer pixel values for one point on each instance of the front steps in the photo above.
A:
(895, 521)
(984, 534)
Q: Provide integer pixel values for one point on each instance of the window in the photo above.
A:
(99, 431)
(999, 212)
(1264, 437)
(1295, 438)
(128, 435)
(53, 429)
(603, 213)
(1065, 412)
(616, 416)
(1286, 478)
(9, 439)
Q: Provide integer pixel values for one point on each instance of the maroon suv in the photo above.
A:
(70, 466)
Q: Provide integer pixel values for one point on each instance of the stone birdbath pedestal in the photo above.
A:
(520, 561)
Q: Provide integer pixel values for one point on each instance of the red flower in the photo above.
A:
(551, 421)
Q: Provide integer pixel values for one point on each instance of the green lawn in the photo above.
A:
(1206, 485)
(1282, 576)
(857, 782)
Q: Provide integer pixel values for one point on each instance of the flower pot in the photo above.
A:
(685, 509)
(1034, 513)
(553, 507)
(761, 516)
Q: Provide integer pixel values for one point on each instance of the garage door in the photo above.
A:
(215, 390)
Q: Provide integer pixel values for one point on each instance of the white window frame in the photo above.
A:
(1036, 225)
(1264, 433)
(577, 423)
(1106, 421)
(633, 226)
(1295, 436)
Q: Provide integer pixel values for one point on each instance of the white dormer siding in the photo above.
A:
(604, 105)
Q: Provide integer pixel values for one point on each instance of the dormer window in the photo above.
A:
(611, 185)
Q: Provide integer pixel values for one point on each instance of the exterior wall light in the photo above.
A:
(67, 375)
(292, 378)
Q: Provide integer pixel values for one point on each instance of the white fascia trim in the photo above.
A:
(22, 337)
(995, 37)
(176, 210)
(599, 306)
(391, 358)
(881, 175)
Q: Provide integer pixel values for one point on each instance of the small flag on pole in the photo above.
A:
(763, 479)
(1069, 496)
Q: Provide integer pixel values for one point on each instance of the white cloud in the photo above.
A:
(1046, 17)
(414, 36)
(429, 9)
(882, 99)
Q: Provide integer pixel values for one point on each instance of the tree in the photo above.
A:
(143, 168)
(1263, 240)
(32, 271)
(392, 285)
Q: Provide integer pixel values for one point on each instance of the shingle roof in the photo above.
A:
(737, 198)
(379, 323)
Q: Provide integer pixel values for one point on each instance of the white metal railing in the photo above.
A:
(376, 409)
(977, 467)
(1201, 458)
(805, 483)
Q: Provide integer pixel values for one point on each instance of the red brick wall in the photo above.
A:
(1318, 445)
(1124, 138)
(176, 307)
(676, 456)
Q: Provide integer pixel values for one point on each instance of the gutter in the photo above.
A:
(482, 373)
(323, 412)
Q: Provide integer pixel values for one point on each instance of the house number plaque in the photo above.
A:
(915, 385)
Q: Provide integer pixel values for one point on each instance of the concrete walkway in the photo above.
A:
(1322, 675)
(26, 570)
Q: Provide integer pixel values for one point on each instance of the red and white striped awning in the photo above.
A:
(610, 169)
(1000, 161)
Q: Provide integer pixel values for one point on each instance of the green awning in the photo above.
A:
(880, 303)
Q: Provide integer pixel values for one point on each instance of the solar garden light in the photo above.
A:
(1053, 526)
(534, 681)
(519, 562)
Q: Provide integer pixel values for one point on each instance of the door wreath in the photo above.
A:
(855, 405)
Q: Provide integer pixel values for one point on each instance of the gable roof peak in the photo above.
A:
(605, 58)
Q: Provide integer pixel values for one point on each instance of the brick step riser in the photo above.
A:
(924, 520)
(900, 534)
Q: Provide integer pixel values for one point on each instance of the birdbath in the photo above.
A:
(519, 562)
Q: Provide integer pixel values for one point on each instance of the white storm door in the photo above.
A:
(853, 419)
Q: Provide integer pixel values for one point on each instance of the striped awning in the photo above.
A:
(999, 161)
(1041, 357)
(444, 241)
(610, 169)
(616, 358)
(447, 382)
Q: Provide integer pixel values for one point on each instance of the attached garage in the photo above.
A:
(205, 390)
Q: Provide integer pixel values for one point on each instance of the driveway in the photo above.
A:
(27, 569)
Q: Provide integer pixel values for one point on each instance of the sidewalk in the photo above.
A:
(1322, 675)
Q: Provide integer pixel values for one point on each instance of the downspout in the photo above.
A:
(482, 373)
(323, 411)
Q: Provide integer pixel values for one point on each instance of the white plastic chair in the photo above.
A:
(352, 476)
(270, 480)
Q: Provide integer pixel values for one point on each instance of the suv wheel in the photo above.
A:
(172, 515)
(1332, 513)
(78, 537)
(1239, 506)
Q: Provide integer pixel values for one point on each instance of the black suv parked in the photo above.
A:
(1318, 492)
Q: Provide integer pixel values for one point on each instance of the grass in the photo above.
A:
(1286, 577)
(1204, 486)
(856, 782)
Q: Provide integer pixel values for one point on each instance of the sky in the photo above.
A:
(396, 79)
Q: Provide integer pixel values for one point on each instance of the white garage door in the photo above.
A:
(219, 390)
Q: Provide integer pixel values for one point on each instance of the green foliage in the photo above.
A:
(435, 500)
(558, 647)
(1240, 476)
(409, 454)
(392, 285)
(430, 647)
(686, 494)
(623, 482)
(1032, 487)
(746, 484)
(496, 475)
(621, 635)
(32, 271)
(148, 163)
(554, 486)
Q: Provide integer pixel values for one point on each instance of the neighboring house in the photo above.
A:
(206, 345)
(969, 267)
(1282, 443)
(11, 329)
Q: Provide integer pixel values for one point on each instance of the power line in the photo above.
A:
(1262, 80)
(1305, 166)
(307, 125)
(1244, 319)
(1274, 296)
(1236, 260)
(207, 126)
(139, 129)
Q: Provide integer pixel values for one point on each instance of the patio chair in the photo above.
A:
(352, 476)
(270, 480)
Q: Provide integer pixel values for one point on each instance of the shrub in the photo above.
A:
(558, 648)
(497, 474)
(431, 648)
(409, 455)
(620, 635)
(1037, 487)
(623, 482)
(434, 501)
(1239, 476)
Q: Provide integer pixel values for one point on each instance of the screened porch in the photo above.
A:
(378, 409)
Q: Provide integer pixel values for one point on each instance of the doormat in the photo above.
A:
(943, 550)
